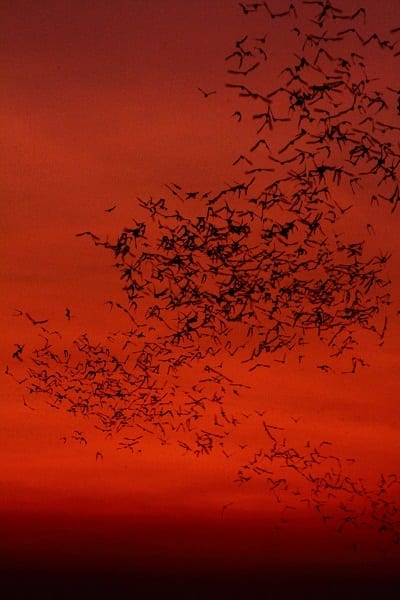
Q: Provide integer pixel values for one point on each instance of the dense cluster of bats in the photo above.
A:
(253, 273)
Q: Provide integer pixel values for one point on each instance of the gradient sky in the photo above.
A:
(99, 106)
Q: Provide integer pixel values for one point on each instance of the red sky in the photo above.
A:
(99, 106)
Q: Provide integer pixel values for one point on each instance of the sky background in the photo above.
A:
(99, 106)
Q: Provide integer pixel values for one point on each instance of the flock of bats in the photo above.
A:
(253, 274)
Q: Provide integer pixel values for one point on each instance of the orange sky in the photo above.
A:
(100, 105)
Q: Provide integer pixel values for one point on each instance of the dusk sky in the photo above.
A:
(100, 107)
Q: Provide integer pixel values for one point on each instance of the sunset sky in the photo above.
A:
(100, 106)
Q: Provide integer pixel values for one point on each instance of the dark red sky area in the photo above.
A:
(100, 106)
